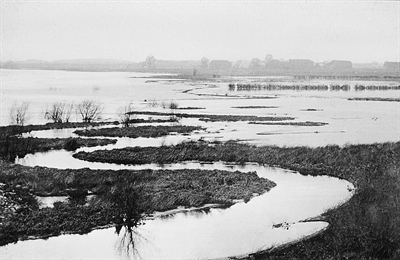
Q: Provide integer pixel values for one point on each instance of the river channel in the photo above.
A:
(270, 219)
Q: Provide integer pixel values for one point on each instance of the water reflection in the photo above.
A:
(127, 240)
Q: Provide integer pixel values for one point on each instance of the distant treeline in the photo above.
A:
(332, 87)
(214, 68)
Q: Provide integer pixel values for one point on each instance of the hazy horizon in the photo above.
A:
(361, 32)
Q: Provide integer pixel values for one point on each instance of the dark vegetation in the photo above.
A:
(123, 197)
(138, 131)
(217, 118)
(367, 227)
(298, 87)
(311, 109)
(306, 123)
(16, 129)
(151, 120)
(376, 99)
(253, 107)
(190, 108)
(12, 145)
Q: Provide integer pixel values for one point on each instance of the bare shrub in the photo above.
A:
(173, 105)
(124, 114)
(89, 110)
(59, 112)
(164, 105)
(169, 105)
(152, 103)
(19, 113)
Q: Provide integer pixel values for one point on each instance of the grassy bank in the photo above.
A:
(121, 196)
(376, 99)
(255, 107)
(306, 123)
(139, 131)
(12, 146)
(15, 129)
(367, 227)
(216, 118)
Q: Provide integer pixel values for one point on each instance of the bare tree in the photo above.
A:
(59, 112)
(19, 113)
(173, 106)
(89, 110)
(124, 114)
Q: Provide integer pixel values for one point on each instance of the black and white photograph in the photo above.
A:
(203, 129)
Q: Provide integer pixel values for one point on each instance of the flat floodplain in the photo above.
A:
(328, 121)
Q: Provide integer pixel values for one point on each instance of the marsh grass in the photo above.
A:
(139, 131)
(123, 197)
(366, 227)
(217, 118)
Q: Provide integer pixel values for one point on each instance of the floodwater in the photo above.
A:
(241, 229)
(349, 122)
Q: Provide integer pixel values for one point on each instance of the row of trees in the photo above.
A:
(58, 112)
(88, 110)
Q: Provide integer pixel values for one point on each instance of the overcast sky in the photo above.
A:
(178, 30)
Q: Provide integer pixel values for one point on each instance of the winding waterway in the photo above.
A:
(242, 229)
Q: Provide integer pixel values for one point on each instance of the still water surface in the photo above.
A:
(348, 121)
(240, 229)
(214, 233)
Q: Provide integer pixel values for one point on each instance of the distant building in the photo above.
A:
(220, 65)
(339, 65)
(391, 65)
(300, 64)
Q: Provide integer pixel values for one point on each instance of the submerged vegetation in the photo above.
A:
(254, 107)
(306, 123)
(376, 99)
(303, 87)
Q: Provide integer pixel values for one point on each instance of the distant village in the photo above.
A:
(204, 66)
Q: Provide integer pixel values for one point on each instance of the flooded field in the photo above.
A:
(276, 217)
(267, 220)
(348, 121)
